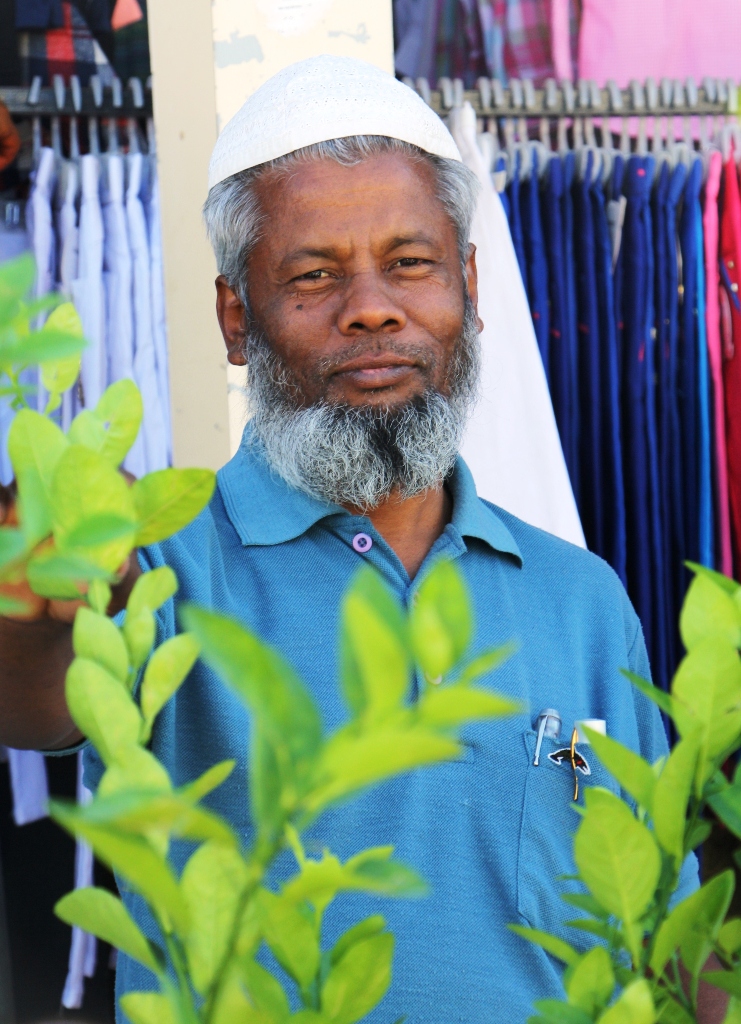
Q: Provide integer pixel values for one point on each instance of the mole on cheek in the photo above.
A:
(299, 307)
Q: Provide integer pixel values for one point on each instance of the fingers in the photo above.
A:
(64, 611)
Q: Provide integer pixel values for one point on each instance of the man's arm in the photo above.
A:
(35, 653)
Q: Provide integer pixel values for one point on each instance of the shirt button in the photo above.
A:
(362, 543)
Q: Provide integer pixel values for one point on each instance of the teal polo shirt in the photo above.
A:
(491, 833)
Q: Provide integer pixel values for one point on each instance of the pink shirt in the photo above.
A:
(715, 356)
(625, 39)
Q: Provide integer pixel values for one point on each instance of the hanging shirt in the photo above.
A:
(117, 278)
(715, 355)
(29, 785)
(145, 360)
(68, 244)
(515, 217)
(87, 289)
(491, 834)
(730, 249)
(570, 318)
(511, 440)
(159, 319)
(537, 265)
(40, 222)
(14, 241)
(659, 38)
(83, 946)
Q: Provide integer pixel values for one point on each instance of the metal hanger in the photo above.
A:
(93, 132)
(74, 124)
(116, 102)
(56, 121)
(137, 98)
(638, 101)
(567, 92)
(34, 94)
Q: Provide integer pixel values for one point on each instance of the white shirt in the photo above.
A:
(87, 289)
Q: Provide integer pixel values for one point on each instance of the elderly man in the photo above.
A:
(339, 212)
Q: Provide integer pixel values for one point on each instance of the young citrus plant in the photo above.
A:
(79, 522)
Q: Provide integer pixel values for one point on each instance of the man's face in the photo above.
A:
(356, 282)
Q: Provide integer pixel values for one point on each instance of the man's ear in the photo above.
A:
(230, 313)
(472, 284)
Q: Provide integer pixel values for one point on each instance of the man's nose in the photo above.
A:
(369, 306)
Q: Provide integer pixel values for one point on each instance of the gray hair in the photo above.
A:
(233, 217)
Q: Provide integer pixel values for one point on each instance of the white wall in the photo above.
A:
(206, 60)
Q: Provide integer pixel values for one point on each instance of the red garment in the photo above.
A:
(730, 255)
(715, 358)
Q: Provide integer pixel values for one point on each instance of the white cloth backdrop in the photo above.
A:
(511, 445)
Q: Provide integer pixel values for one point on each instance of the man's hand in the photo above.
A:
(35, 653)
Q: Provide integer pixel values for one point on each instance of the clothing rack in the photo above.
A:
(71, 99)
(521, 99)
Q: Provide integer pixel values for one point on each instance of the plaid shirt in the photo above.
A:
(517, 38)
(69, 50)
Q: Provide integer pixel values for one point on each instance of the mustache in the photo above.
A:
(418, 354)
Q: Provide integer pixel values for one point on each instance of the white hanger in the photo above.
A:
(56, 121)
(93, 133)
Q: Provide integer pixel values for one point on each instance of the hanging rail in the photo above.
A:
(672, 98)
(92, 100)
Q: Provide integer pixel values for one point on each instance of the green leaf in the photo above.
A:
(617, 858)
(728, 981)
(550, 943)
(359, 980)
(724, 582)
(389, 877)
(84, 486)
(139, 632)
(147, 813)
(266, 994)
(585, 902)
(61, 576)
(212, 884)
(601, 929)
(134, 859)
(553, 1011)
(661, 699)
(36, 446)
(97, 639)
(195, 791)
(693, 925)
(139, 771)
(729, 937)
(17, 277)
(727, 805)
(287, 730)
(634, 1006)
(290, 935)
(120, 411)
(152, 590)
(12, 545)
(102, 709)
(362, 930)
(167, 669)
(709, 610)
(487, 662)
(591, 981)
(672, 793)
(368, 591)
(441, 620)
(168, 500)
(57, 376)
(97, 530)
(706, 694)
(41, 347)
(629, 769)
(375, 658)
(100, 913)
(350, 762)
(87, 430)
(148, 1008)
(669, 1011)
(8, 606)
(448, 706)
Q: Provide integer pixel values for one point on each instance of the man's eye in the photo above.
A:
(314, 275)
(410, 261)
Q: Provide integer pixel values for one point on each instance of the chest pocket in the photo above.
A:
(549, 823)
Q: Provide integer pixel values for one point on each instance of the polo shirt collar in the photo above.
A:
(266, 510)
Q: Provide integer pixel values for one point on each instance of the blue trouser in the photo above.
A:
(535, 257)
(687, 367)
(635, 442)
(515, 218)
(561, 381)
(614, 493)
(591, 463)
(571, 336)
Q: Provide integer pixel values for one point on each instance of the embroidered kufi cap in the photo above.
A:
(325, 98)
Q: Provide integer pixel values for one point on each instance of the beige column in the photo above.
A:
(206, 60)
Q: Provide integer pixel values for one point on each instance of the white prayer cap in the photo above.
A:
(325, 98)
